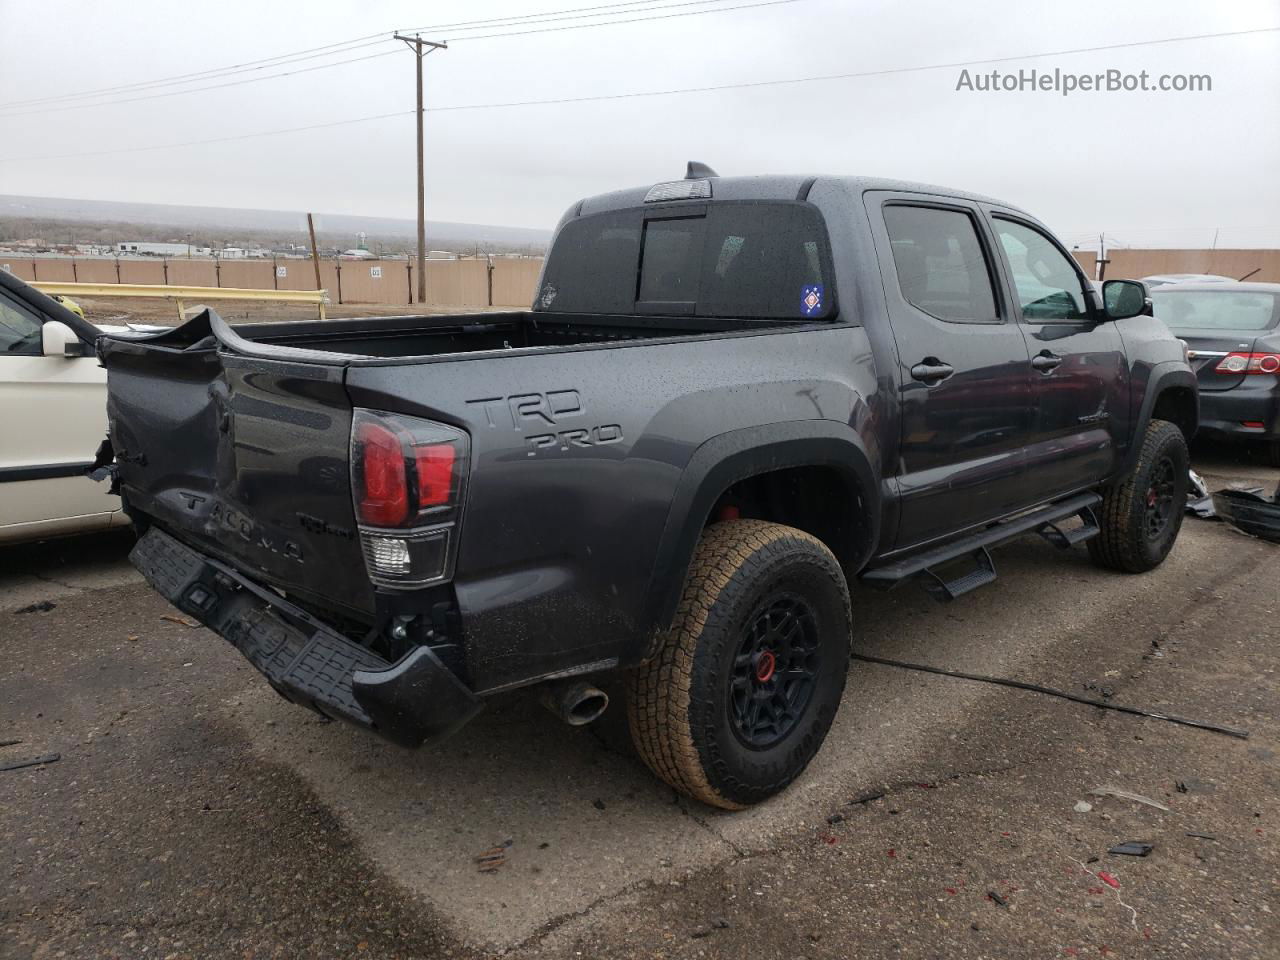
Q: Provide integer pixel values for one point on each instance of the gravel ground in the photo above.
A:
(193, 814)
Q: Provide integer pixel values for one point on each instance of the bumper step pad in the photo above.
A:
(408, 702)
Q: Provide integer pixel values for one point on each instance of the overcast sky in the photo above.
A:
(1148, 168)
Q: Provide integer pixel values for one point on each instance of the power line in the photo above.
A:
(356, 43)
(889, 71)
(214, 86)
(612, 23)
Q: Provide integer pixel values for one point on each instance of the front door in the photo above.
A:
(1079, 374)
(963, 373)
(52, 418)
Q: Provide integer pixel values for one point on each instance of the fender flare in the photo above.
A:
(1163, 376)
(728, 458)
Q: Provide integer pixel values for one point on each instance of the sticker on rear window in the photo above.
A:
(811, 299)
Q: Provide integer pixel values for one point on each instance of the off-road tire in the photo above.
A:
(1125, 542)
(1271, 453)
(680, 706)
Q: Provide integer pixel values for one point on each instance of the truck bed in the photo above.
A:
(425, 336)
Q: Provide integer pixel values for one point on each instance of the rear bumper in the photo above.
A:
(1223, 413)
(413, 701)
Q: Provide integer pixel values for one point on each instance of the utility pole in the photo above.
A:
(315, 256)
(420, 49)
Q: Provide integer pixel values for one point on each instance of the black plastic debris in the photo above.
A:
(1131, 849)
(1251, 511)
(42, 606)
(32, 762)
(995, 898)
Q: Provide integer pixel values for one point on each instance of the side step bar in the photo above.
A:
(1045, 521)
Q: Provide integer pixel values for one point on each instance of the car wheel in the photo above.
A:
(1142, 513)
(744, 686)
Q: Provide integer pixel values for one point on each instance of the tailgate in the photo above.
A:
(246, 459)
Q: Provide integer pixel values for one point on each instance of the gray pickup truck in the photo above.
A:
(731, 398)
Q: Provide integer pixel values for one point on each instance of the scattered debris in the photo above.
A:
(1114, 884)
(1250, 511)
(9, 743)
(1199, 501)
(1202, 836)
(835, 818)
(494, 858)
(33, 762)
(995, 898)
(1180, 787)
(1082, 806)
(181, 621)
(1051, 692)
(1131, 849)
(598, 803)
(1106, 790)
(42, 606)
(866, 798)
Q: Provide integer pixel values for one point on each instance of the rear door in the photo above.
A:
(1079, 374)
(963, 366)
(54, 417)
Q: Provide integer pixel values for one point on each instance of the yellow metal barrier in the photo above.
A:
(167, 292)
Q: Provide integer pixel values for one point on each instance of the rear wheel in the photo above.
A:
(1272, 453)
(746, 683)
(1142, 514)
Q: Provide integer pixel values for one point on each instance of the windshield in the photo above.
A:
(753, 260)
(1214, 309)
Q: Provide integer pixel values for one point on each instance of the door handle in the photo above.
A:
(931, 370)
(1045, 362)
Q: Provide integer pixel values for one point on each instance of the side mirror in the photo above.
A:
(59, 340)
(1122, 299)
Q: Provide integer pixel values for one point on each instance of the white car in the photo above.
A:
(53, 394)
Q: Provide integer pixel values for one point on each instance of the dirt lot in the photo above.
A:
(195, 814)
(117, 310)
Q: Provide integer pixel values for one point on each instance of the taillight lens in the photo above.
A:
(382, 494)
(407, 480)
(1237, 364)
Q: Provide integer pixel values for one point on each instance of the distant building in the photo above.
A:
(150, 248)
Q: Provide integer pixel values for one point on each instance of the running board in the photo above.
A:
(1045, 521)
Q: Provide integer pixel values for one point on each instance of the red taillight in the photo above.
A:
(383, 497)
(405, 472)
(1243, 364)
(435, 473)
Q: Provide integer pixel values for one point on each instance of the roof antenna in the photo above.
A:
(699, 171)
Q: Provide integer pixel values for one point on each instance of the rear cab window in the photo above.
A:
(758, 260)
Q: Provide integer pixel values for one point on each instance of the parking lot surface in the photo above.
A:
(195, 813)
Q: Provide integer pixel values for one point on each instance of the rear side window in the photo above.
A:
(941, 266)
(735, 259)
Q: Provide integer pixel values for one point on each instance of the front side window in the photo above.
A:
(19, 330)
(1044, 277)
(941, 267)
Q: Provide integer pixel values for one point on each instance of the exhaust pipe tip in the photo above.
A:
(575, 702)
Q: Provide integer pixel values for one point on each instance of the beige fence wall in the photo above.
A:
(1126, 264)
(450, 283)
